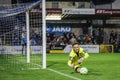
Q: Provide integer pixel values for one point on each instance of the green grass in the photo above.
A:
(100, 66)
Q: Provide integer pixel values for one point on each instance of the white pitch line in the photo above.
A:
(55, 71)
(33, 68)
(63, 74)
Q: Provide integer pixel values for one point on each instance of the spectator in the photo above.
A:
(24, 41)
(16, 42)
(72, 40)
(87, 38)
(82, 39)
(0, 41)
(67, 37)
(105, 38)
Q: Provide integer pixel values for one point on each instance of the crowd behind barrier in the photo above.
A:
(98, 36)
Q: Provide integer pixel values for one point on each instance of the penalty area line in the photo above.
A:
(63, 74)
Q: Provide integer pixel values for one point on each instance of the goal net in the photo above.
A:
(20, 32)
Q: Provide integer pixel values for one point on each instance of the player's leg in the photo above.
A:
(25, 48)
(22, 48)
(77, 68)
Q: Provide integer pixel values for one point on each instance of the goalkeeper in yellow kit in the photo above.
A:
(76, 57)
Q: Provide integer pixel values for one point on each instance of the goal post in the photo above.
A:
(28, 37)
(44, 33)
(16, 22)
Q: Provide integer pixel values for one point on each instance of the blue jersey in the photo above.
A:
(24, 40)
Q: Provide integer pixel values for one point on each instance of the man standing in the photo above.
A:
(76, 57)
(24, 41)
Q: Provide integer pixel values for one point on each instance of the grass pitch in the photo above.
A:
(100, 66)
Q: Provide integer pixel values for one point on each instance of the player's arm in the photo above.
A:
(84, 56)
(70, 62)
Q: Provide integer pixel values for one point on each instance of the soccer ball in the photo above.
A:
(83, 70)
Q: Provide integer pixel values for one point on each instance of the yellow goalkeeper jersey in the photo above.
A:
(73, 57)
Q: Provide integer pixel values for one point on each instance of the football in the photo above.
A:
(83, 70)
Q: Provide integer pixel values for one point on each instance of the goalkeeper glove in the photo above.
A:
(72, 65)
(80, 60)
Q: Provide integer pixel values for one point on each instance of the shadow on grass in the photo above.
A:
(93, 72)
(52, 64)
(90, 72)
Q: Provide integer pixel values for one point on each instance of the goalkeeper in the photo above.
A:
(76, 57)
